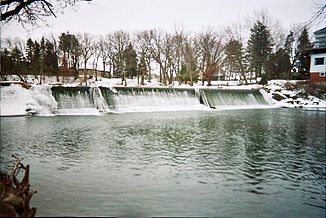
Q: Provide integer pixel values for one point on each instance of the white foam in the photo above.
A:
(78, 111)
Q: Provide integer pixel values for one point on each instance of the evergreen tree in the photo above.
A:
(278, 65)
(236, 59)
(71, 52)
(17, 61)
(35, 61)
(259, 47)
(130, 58)
(75, 52)
(188, 73)
(50, 60)
(302, 55)
(142, 69)
(64, 46)
(29, 49)
(29, 54)
(6, 63)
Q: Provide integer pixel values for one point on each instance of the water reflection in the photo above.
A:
(219, 160)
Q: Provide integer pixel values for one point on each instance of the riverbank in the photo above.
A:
(297, 94)
(16, 100)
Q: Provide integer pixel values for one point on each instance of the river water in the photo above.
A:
(236, 163)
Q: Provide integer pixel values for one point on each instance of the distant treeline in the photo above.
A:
(178, 56)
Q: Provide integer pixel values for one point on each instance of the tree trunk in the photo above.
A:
(16, 195)
(85, 73)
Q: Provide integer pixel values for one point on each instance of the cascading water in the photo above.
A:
(155, 99)
(74, 100)
(97, 100)
(231, 99)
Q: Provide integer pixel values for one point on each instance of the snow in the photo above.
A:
(19, 101)
(291, 98)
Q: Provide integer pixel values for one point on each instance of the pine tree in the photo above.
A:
(302, 55)
(17, 59)
(29, 54)
(259, 47)
(278, 65)
(142, 69)
(29, 49)
(50, 59)
(6, 62)
(130, 58)
(35, 61)
(235, 59)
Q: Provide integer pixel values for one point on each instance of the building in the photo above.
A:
(318, 58)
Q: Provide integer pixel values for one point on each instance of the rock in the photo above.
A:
(278, 97)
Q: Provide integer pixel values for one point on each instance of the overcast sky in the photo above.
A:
(104, 16)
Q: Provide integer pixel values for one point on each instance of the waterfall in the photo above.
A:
(82, 100)
(98, 99)
(155, 99)
(75, 100)
(232, 99)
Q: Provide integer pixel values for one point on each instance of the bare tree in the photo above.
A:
(175, 57)
(210, 47)
(143, 46)
(160, 50)
(31, 11)
(97, 53)
(190, 58)
(118, 41)
(105, 51)
(86, 49)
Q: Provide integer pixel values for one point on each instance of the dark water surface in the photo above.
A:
(241, 163)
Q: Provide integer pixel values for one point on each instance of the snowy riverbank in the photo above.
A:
(291, 95)
(19, 101)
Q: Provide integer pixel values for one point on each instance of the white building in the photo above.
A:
(318, 57)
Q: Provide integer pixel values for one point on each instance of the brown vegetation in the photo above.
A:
(15, 195)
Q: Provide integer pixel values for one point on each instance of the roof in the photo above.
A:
(315, 50)
(323, 30)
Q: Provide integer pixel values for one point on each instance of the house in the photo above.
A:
(318, 58)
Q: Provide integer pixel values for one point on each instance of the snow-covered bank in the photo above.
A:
(289, 94)
(18, 101)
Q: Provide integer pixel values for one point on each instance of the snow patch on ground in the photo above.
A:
(18, 101)
(293, 98)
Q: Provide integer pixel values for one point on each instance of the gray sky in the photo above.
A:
(104, 16)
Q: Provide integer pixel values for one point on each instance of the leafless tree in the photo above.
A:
(175, 57)
(118, 41)
(97, 53)
(105, 51)
(142, 45)
(32, 11)
(157, 53)
(210, 46)
(87, 50)
(190, 57)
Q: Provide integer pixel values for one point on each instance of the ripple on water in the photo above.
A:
(160, 162)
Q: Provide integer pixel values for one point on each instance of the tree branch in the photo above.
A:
(9, 14)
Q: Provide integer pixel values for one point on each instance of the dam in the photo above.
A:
(93, 100)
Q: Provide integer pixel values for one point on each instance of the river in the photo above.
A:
(234, 163)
